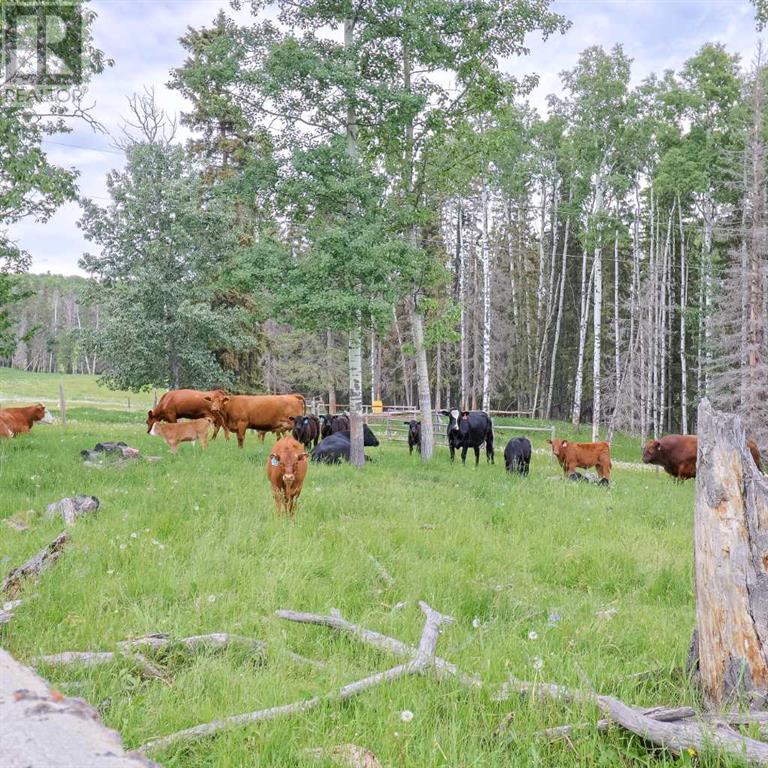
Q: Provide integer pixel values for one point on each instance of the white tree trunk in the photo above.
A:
(683, 308)
(463, 308)
(597, 318)
(586, 290)
(422, 374)
(558, 322)
(357, 452)
(485, 260)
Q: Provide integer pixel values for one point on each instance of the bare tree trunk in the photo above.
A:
(586, 290)
(425, 397)
(616, 329)
(356, 454)
(407, 386)
(558, 322)
(485, 260)
(329, 371)
(463, 308)
(730, 514)
(373, 367)
(438, 376)
(683, 308)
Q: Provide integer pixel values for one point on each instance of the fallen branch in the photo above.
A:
(423, 660)
(443, 668)
(8, 609)
(155, 642)
(676, 729)
(34, 566)
(39, 726)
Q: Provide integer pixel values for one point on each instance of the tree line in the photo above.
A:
(346, 223)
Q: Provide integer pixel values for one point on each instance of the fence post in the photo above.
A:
(62, 405)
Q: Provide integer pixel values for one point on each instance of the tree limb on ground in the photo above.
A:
(34, 566)
(443, 668)
(31, 736)
(422, 660)
(676, 729)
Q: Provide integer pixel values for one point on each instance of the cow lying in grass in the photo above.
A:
(286, 469)
(183, 432)
(573, 456)
(17, 421)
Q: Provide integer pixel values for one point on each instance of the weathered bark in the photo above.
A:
(356, 453)
(40, 728)
(731, 556)
(485, 261)
(586, 290)
(683, 308)
(422, 384)
(329, 371)
(34, 566)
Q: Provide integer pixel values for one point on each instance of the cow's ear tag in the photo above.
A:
(274, 461)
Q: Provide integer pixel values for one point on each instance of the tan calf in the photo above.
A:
(182, 432)
(286, 469)
(573, 456)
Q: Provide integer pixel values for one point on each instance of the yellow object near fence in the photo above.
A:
(378, 406)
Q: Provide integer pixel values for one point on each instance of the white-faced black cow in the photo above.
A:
(517, 455)
(469, 429)
(414, 435)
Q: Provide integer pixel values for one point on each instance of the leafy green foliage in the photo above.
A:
(163, 245)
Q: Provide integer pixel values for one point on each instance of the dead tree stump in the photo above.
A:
(731, 563)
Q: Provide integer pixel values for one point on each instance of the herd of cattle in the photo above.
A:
(328, 437)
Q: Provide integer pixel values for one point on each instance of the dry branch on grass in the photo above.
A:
(422, 659)
(675, 728)
(129, 650)
(34, 566)
(7, 610)
(444, 669)
(41, 727)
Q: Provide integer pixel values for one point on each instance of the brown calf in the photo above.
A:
(583, 455)
(286, 469)
(182, 432)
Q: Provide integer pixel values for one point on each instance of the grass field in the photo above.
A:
(546, 579)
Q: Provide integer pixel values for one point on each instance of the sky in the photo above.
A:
(142, 37)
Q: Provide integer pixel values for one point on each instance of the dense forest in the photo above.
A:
(346, 225)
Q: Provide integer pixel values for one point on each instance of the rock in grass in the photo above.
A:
(347, 755)
(72, 509)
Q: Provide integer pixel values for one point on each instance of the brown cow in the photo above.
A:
(264, 413)
(583, 455)
(286, 469)
(17, 421)
(677, 455)
(186, 404)
(183, 432)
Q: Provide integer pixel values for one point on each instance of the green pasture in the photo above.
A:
(547, 580)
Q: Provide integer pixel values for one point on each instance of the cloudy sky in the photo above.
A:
(142, 37)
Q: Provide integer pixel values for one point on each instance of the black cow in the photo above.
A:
(414, 435)
(469, 429)
(330, 425)
(306, 429)
(335, 447)
(517, 455)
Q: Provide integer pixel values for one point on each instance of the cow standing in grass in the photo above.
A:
(192, 431)
(286, 470)
(573, 456)
(469, 429)
(517, 455)
(414, 435)
(186, 404)
(306, 429)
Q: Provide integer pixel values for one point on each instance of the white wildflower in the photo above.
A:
(533, 635)
(134, 535)
(538, 663)
(123, 546)
(211, 598)
(475, 622)
(406, 715)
